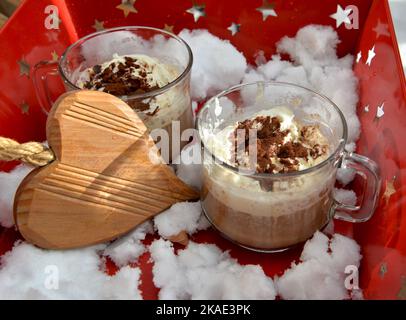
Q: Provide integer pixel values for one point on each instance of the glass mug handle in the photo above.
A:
(42, 70)
(369, 170)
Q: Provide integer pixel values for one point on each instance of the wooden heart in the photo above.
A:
(102, 184)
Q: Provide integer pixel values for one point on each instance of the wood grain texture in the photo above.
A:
(102, 184)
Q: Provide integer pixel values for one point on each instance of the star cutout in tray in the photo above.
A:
(127, 6)
(197, 11)
(267, 9)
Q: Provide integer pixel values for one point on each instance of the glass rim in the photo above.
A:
(333, 155)
(149, 94)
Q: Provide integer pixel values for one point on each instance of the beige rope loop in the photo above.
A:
(34, 153)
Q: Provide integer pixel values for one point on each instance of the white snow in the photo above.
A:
(30, 273)
(129, 248)
(321, 274)
(344, 196)
(217, 63)
(315, 65)
(345, 175)
(182, 216)
(313, 46)
(203, 271)
(189, 165)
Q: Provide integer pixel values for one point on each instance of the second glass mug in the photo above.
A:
(299, 203)
(99, 47)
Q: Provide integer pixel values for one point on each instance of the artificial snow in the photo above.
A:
(9, 182)
(314, 64)
(182, 216)
(345, 175)
(313, 46)
(30, 273)
(347, 197)
(322, 272)
(203, 271)
(129, 248)
(189, 165)
(217, 63)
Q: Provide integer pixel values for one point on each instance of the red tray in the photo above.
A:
(383, 239)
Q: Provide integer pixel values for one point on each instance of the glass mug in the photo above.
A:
(272, 212)
(97, 48)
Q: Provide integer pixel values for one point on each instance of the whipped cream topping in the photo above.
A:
(149, 69)
(129, 75)
(286, 146)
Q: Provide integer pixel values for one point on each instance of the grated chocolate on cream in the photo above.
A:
(278, 151)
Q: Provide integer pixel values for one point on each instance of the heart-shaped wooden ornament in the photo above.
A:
(102, 183)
